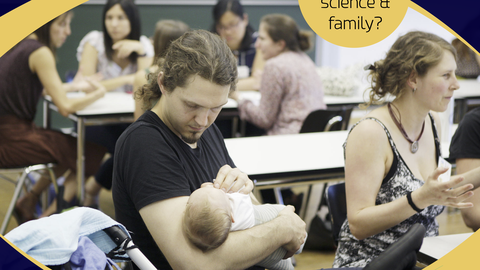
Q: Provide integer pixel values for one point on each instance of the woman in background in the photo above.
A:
(26, 71)
(117, 54)
(231, 23)
(166, 31)
(290, 87)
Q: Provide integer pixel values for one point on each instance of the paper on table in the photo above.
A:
(444, 177)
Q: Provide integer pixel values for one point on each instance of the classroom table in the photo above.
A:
(289, 159)
(433, 248)
(114, 107)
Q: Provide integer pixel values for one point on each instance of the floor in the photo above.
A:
(450, 222)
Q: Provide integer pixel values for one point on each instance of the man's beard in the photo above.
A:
(193, 138)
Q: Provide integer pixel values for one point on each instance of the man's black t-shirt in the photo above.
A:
(466, 140)
(154, 164)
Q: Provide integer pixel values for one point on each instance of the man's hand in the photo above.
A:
(297, 226)
(232, 180)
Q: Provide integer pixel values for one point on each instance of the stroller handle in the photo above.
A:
(116, 234)
(119, 237)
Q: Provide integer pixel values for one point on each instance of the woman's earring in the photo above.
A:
(414, 89)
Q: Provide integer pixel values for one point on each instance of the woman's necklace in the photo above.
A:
(398, 122)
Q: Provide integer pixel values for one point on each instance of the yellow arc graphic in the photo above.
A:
(22, 21)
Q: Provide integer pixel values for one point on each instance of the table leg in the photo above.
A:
(81, 159)
(278, 195)
(46, 115)
(234, 126)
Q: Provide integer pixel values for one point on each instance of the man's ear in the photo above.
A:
(160, 82)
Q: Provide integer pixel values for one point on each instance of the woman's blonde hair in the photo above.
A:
(415, 52)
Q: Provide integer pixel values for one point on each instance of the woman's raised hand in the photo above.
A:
(448, 193)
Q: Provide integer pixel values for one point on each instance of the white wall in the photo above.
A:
(340, 57)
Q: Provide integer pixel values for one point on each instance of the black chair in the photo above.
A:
(327, 120)
(401, 255)
(337, 206)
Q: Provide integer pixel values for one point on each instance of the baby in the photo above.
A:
(211, 214)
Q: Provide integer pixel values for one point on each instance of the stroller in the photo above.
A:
(81, 238)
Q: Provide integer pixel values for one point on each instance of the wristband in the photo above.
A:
(410, 201)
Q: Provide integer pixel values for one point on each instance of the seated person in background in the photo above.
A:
(26, 71)
(231, 23)
(291, 87)
(166, 31)
(468, 66)
(211, 214)
(168, 152)
(465, 152)
(117, 53)
(392, 154)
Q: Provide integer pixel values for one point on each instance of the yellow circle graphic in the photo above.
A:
(353, 23)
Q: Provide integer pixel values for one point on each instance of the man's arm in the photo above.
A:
(241, 250)
(471, 216)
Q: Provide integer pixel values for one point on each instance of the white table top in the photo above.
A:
(111, 103)
(292, 153)
(436, 247)
(119, 102)
(288, 153)
(255, 96)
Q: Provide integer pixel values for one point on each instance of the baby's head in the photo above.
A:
(208, 217)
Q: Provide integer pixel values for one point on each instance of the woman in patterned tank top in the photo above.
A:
(391, 170)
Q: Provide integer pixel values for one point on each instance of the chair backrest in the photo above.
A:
(337, 206)
(327, 120)
(401, 255)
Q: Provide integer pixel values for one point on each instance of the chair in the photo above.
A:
(337, 206)
(401, 255)
(21, 182)
(327, 120)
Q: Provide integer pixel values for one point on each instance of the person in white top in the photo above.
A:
(119, 51)
(211, 214)
(115, 55)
